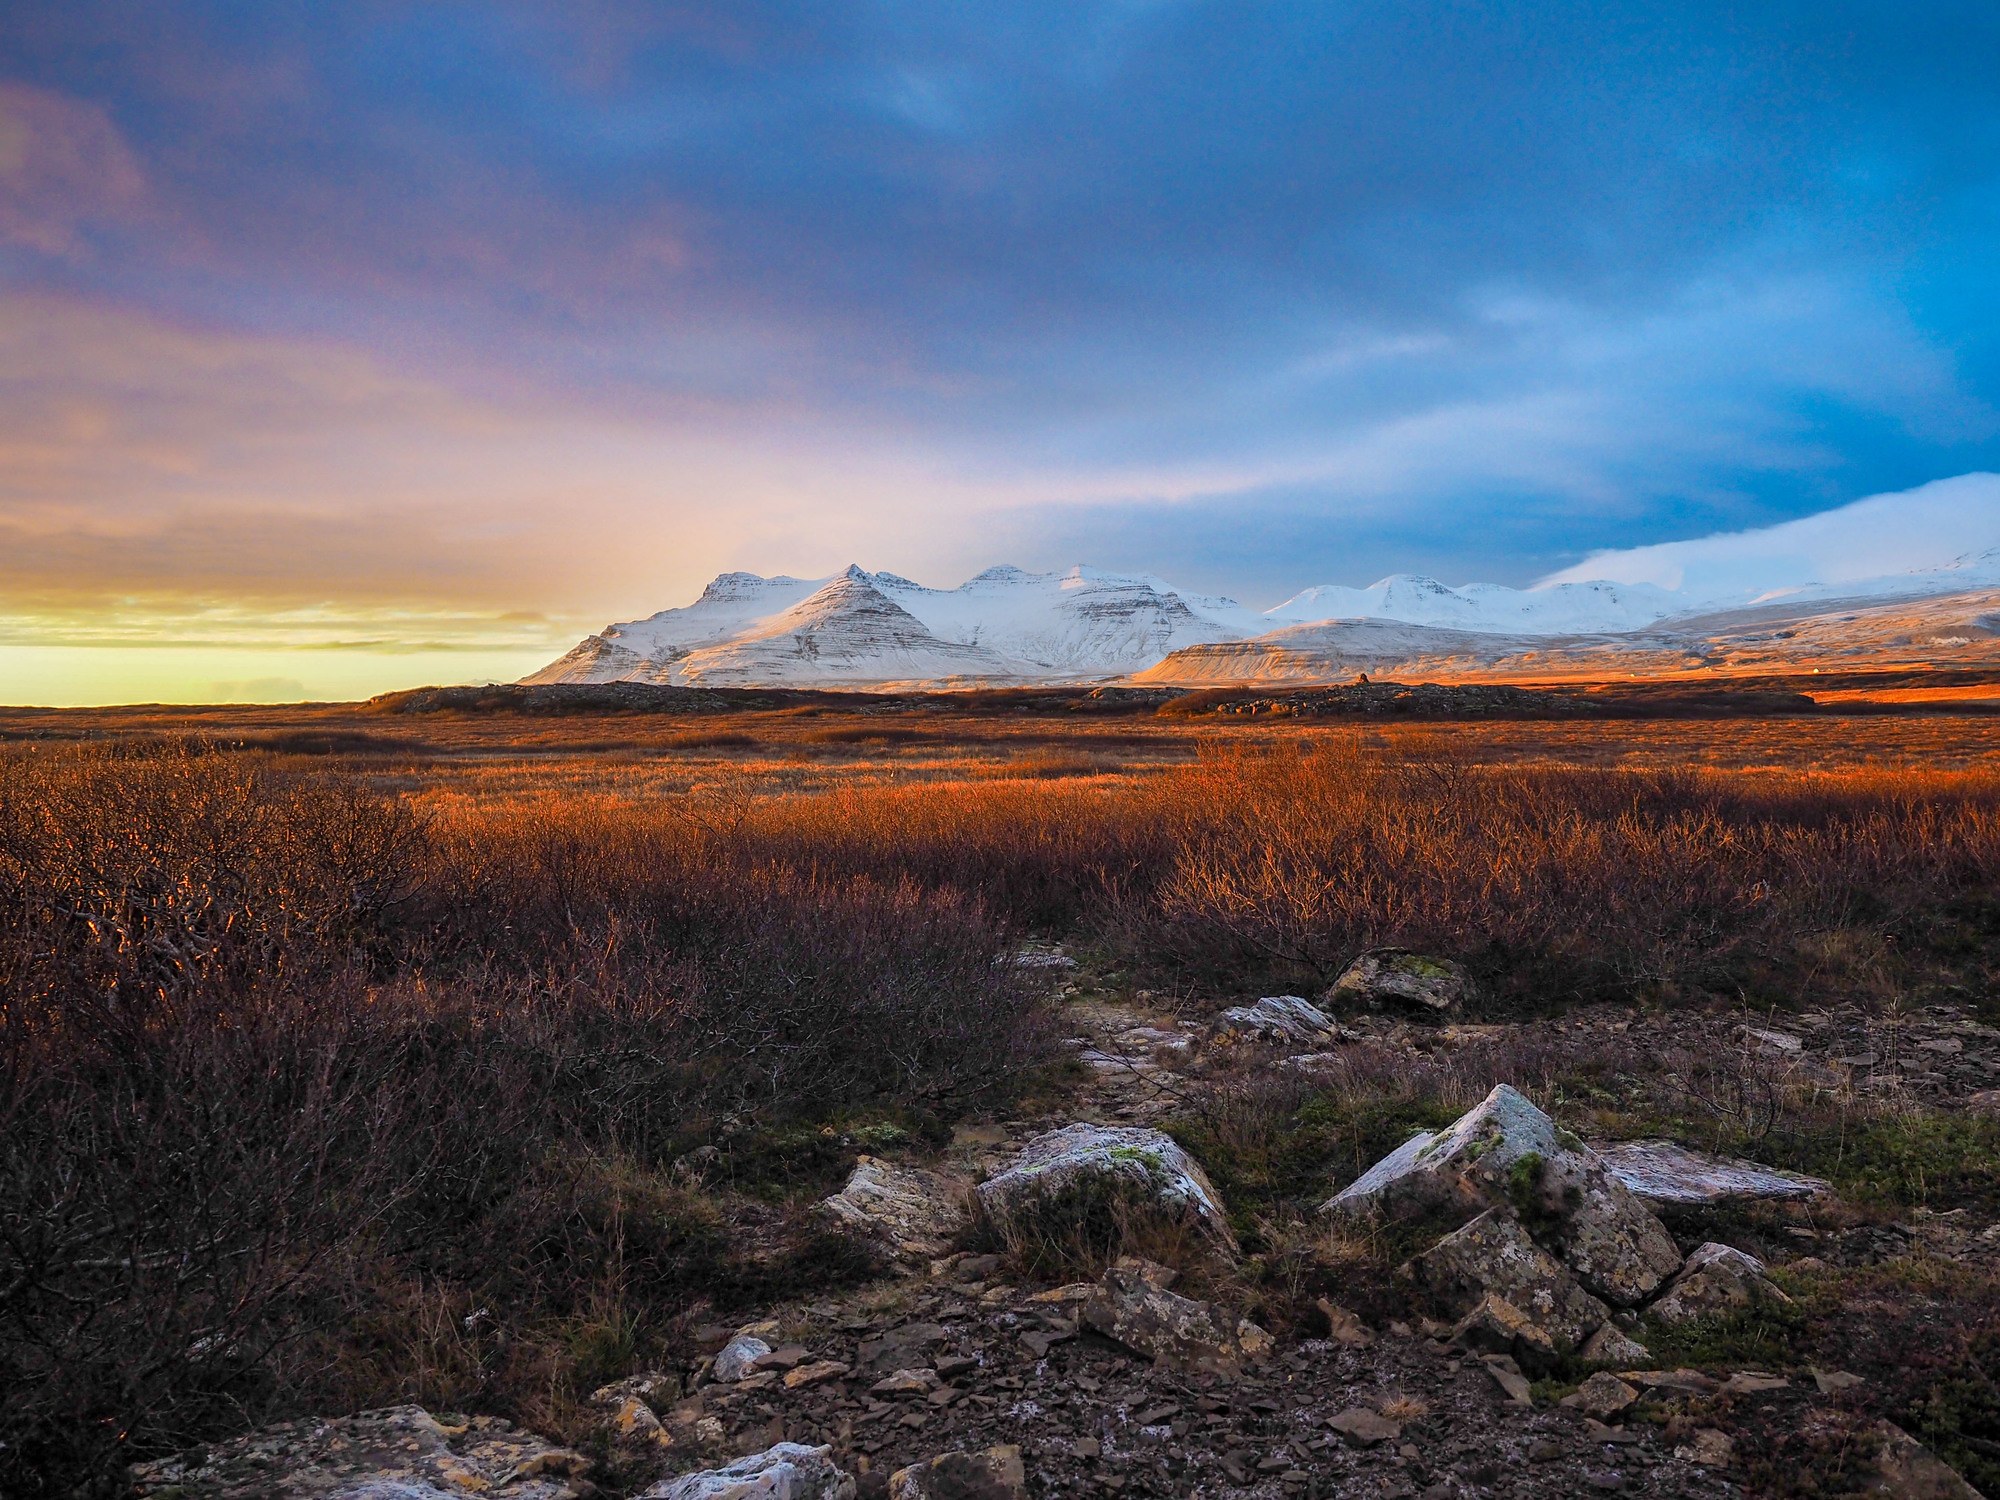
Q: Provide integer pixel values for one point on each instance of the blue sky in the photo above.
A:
(363, 328)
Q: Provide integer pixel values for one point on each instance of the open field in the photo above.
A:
(480, 1057)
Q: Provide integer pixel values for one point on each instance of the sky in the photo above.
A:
(347, 346)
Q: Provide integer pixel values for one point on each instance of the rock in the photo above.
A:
(1754, 1383)
(1665, 1172)
(396, 1453)
(1603, 1395)
(1343, 1327)
(1709, 1448)
(657, 1388)
(1401, 980)
(1611, 1345)
(1170, 1329)
(1064, 1177)
(899, 1348)
(914, 1212)
(816, 1373)
(1907, 1470)
(631, 1423)
(995, 1474)
(1278, 1020)
(1497, 1326)
(738, 1358)
(789, 1471)
(906, 1383)
(1716, 1279)
(1833, 1382)
(1364, 1427)
(1505, 1150)
(1507, 1375)
(1494, 1255)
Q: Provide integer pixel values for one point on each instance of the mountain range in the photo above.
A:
(1907, 577)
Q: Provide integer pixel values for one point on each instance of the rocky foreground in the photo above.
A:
(1533, 1273)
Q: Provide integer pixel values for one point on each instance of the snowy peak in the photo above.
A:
(861, 628)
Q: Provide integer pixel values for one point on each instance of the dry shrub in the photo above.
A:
(1556, 883)
(276, 1056)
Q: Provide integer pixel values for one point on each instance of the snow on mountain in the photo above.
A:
(1555, 610)
(1648, 605)
(1938, 538)
(862, 628)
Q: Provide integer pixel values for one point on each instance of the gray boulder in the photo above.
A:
(789, 1471)
(1276, 1020)
(1666, 1172)
(911, 1211)
(1396, 979)
(1506, 1151)
(1716, 1279)
(738, 1358)
(1063, 1175)
(1131, 1308)
(1494, 1256)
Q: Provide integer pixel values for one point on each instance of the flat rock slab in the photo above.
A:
(1667, 1172)
(398, 1451)
(789, 1471)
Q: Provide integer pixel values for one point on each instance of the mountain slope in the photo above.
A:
(862, 628)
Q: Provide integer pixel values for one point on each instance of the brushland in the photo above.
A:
(324, 1084)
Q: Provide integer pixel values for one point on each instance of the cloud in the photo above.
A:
(64, 166)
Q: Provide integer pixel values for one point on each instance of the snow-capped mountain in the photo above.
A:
(1647, 606)
(864, 629)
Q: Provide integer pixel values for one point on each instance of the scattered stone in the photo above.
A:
(1754, 1383)
(1276, 1020)
(1611, 1345)
(1710, 1448)
(738, 1358)
(1603, 1395)
(1364, 1427)
(1169, 1329)
(395, 1451)
(1343, 1327)
(1716, 1279)
(995, 1474)
(1693, 1382)
(1772, 1041)
(814, 1374)
(1666, 1172)
(914, 1212)
(1907, 1470)
(657, 1388)
(898, 1348)
(1495, 1255)
(1497, 1326)
(631, 1423)
(906, 1383)
(1507, 1375)
(1061, 1175)
(1401, 980)
(1833, 1382)
(787, 1471)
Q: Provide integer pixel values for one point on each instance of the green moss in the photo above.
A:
(1764, 1337)
(1900, 1161)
